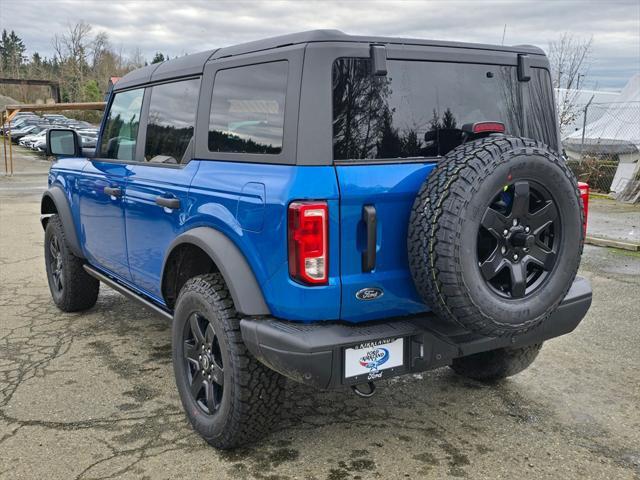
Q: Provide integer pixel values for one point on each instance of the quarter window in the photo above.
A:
(171, 119)
(121, 128)
(247, 109)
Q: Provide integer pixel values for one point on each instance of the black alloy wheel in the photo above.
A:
(203, 363)
(518, 239)
(56, 264)
(495, 235)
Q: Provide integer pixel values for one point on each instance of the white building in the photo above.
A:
(614, 131)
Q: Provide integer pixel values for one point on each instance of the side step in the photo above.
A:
(127, 292)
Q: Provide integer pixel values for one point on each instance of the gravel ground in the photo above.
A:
(91, 395)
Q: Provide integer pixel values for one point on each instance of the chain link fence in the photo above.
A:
(604, 148)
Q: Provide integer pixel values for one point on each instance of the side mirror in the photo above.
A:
(63, 143)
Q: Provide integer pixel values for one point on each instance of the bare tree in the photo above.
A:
(72, 49)
(569, 57)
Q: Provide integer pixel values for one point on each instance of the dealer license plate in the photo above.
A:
(373, 357)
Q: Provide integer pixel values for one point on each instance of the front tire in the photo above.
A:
(497, 364)
(229, 397)
(72, 288)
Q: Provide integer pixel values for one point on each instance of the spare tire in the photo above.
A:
(496, 234)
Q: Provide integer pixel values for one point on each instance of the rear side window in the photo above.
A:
(419, 108)
(121, 128)
(171, 120)
(247, 109)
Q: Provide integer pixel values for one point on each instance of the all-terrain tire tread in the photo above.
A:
(496, 364)
(434, 237)
(80, 290)
(257, 391)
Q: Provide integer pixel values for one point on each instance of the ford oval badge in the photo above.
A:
(369, 293)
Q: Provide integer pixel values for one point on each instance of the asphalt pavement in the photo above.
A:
(91, 395)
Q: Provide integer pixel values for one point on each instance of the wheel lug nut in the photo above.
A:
(503, 250)
(209, 377)
(515, 221)
(527, 229)
(515, 256)
(505, 232)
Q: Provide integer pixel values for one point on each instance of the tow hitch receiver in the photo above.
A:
(360, 393)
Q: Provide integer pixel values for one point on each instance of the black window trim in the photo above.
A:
(293, 55)
(144, 123)
(142, 127)
(105, 117)
(315, 141)
(523, 92)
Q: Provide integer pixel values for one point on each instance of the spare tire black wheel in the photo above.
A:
(496, 235)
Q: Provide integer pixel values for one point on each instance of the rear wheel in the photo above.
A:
(229, 397)
(496, 364)
(72, 288)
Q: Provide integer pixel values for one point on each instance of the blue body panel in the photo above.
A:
(391, 189)
(101, 216)
(226, 196)
(151, 228)
(129, 237)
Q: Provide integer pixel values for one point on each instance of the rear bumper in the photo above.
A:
(314, 353)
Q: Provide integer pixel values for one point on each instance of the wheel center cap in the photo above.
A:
(521, 239)
(205, 362)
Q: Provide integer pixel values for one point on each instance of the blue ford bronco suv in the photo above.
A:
(327, 208)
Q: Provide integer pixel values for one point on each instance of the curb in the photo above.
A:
(607, 242)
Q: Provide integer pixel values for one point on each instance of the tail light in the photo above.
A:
(308, 232)
(584, 194)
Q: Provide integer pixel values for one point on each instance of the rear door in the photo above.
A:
(158, 183)
(388, 134)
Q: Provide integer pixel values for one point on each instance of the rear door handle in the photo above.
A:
(113, 191)
(168, 202)
(370, 220)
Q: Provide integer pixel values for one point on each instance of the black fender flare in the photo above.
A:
(232, 264)
(57, 195)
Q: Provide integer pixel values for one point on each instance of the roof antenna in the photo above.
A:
(504, 32)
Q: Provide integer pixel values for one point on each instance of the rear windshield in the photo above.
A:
(419, 108)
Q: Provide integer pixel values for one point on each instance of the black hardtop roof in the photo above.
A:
(194, 64)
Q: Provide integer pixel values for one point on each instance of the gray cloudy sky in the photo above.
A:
(188, 26)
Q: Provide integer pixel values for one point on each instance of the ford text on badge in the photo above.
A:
(369, 293)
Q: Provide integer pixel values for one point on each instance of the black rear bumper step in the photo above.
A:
(314, 353)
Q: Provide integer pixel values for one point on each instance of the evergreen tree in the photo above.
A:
(158, 58)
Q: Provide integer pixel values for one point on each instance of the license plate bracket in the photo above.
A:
(374, 360)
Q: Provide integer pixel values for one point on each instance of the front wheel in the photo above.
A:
(72, 288)
(229, 397)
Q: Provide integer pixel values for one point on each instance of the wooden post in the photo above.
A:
(4, 145)
(10, 153)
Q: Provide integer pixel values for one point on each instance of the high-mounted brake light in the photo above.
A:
(584, 194)
(484, 127)
(308, 231)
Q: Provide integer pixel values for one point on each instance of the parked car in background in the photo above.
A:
(33, 138)
(21, 132)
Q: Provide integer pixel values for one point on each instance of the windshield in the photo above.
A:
(418, 109)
